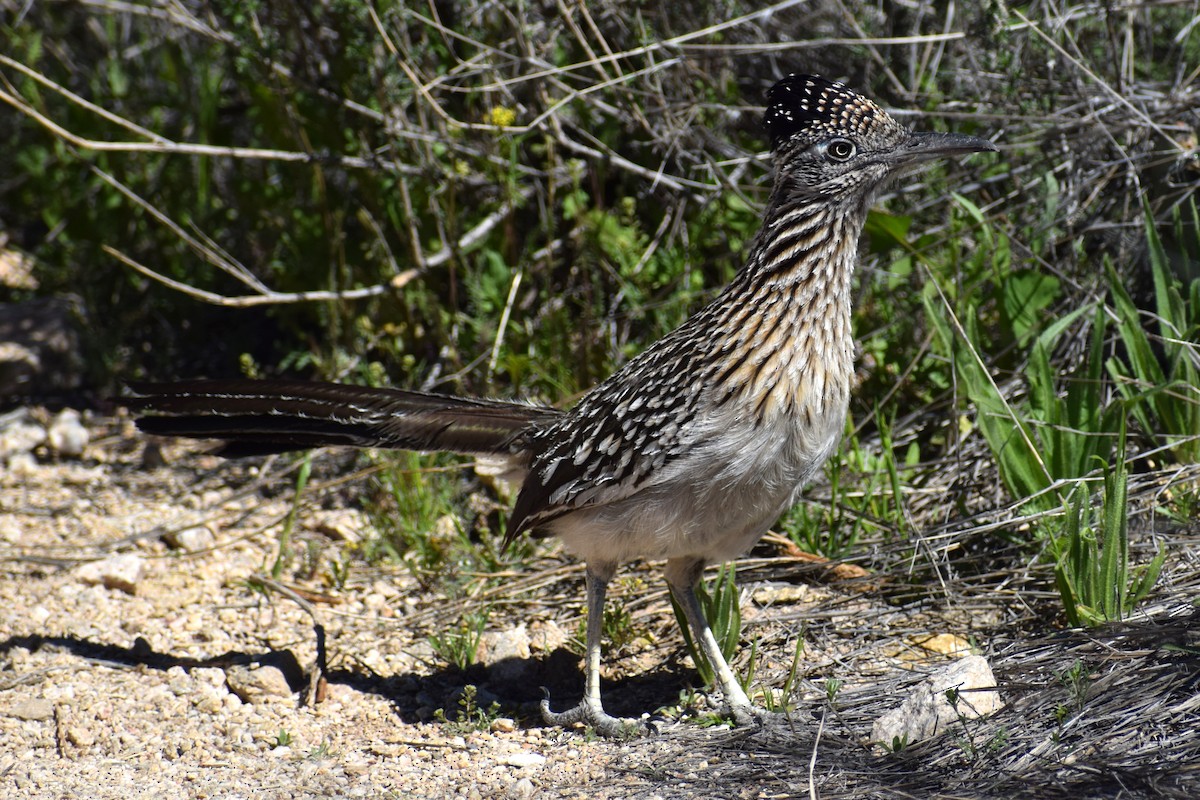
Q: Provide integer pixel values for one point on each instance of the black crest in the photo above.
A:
(809, 108)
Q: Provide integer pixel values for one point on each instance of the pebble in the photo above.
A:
(22, 464)
(780, 594)
(67, 436)
(21, 437)
(262, 684)
(192, 540)
(33, 709)
(39, 614)
(523, 759)
(340, 524)
(121, 572)
(80, 737)
(208, 703)
(212, 676)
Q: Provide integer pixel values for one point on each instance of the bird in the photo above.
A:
(690, 451)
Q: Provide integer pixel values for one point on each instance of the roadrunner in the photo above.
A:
(691, 450)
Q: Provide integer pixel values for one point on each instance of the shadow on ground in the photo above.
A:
(518, 688)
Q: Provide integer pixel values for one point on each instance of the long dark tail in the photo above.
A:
(257, 417)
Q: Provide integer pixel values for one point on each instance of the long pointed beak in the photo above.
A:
(923, 146)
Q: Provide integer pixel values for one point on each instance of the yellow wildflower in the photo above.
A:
(502, 116)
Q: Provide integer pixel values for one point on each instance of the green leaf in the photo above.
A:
(1024, 295)
(887, 231)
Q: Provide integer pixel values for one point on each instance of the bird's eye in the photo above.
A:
(840, 150)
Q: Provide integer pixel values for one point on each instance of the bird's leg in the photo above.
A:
(590, 710)
(683, 574)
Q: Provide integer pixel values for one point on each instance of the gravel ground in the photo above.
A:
(131, 667)
(127, 691)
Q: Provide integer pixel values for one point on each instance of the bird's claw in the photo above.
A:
(592, 713)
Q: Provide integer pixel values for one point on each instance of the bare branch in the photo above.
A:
(270, 298)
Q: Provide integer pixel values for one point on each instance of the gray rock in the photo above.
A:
(33, 709)
(258, 684)
(507, 653)
(497, 646)
(939, 702)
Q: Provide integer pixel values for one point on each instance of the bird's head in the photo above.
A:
(831, 142)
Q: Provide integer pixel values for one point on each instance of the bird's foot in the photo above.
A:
(592, 713)
(747, 716)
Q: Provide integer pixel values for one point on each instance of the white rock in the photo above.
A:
(21, 437)
(22, 464)
(928, 710)
(38, 615)
(122, 572)
(192, 539)
(67, 435)
(523, 759)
